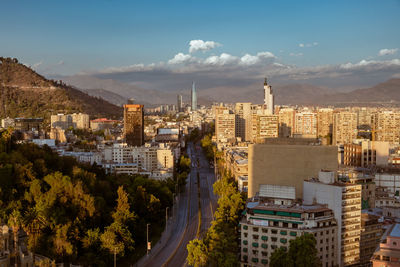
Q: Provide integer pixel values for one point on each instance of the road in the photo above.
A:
(173, 252)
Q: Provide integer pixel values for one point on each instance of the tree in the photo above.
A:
(280, 258)
(15, 221)
(197, 253)
(303, 251)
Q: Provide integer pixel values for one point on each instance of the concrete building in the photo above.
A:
(386, 126)
(286, 122)
(243, 120)
(366, 153)
(305, 125)
(288, 162)
(344, 127)
(263, 126)
(345, 201)
(324, 122)
(28, 124)
(179, 103)
(224, 124)
(102, 124)
(134, 124)
(366, 179)
(388, 252)
(236, 161)
(268, 98)
(193, 96)
(268, 225)
(65, 121)
(371, 232)
(389, 181)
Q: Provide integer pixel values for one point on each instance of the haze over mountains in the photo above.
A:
(117, 92)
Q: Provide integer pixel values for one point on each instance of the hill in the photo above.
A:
(383, 93)
(25, 93)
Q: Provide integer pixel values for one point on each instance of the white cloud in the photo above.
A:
(308, 45)
(385, 52)
(200, 45)
(180, 58)
(223, 59)
(371, 63)
(249, 60)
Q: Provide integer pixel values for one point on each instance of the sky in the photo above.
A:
(292, 40)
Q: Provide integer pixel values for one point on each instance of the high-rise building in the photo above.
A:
(345, 201)
(386, 126)
(371, 232)
(324, 122)
(305, 125)
(344, 127)
(243, 120)
(268, 97)
(180, 103)
(263, 126)
(286, 122)
(134, 124)
(224, 124)
(194, 97)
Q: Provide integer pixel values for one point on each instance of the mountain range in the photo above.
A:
(386, 93)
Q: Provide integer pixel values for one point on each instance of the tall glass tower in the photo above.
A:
(194, 97)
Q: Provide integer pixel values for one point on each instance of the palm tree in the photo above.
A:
(33, 223)
(15, 221)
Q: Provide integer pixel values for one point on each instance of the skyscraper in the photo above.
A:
(134, 124)
(180, 103)
(268, 97)
(194, 97)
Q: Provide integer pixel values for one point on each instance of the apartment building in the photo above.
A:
(286, 122)
(371, 233)
(305, 124)
(268, 225)
(344, 127)
(366, 153)
(388, 252)
(225, 127)
(65, 121)
(345, 201)
(386, 126)
(324, 122)
(263, 126)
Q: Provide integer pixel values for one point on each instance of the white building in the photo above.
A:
(345, 201)
(268, 97)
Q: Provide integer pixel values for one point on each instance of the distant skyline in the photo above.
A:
(134, 42)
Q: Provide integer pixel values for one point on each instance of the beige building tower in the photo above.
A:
(305, 125)
(344, 127)
(268, 97)
(224, 124)
(324, 122)
(263, 126)
(386, 127)
(286, 122)
(243, 120)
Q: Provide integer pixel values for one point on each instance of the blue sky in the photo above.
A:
(67, 37)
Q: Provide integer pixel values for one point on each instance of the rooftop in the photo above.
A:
(395, 230)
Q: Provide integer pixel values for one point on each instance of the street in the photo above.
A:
(172, 251)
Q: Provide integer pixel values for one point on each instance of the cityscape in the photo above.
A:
(285, 155)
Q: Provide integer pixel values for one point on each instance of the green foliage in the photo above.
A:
(220, 245)
(302, 252)
(69, 210)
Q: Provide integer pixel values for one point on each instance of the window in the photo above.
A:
(264, 253)
(264, 245)
(255, 229)
(283, 233)
(283, 240)
(264, 230)
(244, 249)
(265, 238)
(254, 244)
(274, 231)
(293, 233)
(394, 243)
(320, 249)
(255, 236)
(245, 242)
(245, 234)
(245, 227)
(274, 239)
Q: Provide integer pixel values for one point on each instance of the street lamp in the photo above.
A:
(148, 246)
(166, 217)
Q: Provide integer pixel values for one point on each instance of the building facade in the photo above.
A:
(344, 127)
(134, 124)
